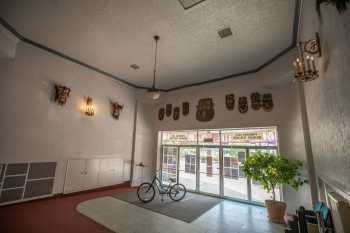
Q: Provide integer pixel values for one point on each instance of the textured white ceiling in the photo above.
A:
(113, 34)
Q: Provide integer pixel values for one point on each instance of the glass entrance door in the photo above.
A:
(210, 161)
(187, 167)
(235, 183)
(209, 170)
(169, 163)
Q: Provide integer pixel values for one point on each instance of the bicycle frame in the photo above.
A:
(156, 182)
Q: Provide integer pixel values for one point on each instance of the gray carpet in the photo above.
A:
(187, 210)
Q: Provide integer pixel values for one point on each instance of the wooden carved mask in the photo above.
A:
(116, 109)
(243, 104)
(61, 94)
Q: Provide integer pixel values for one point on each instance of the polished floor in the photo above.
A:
(59, 215)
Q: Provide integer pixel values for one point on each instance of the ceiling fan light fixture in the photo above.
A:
(153, 92)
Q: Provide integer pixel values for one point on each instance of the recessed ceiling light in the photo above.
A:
(225, 32)
(134, 66)
(189, 3)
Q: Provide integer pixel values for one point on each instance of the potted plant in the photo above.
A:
(270, 171)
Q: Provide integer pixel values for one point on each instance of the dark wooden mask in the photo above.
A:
(205, 110)
(161, 114)
(116, 109)
(267, 102)
(176, 114)
(230, 101)
(255, 99)
(61, 94)
(185, 108)
(243, 104)
(168, 109)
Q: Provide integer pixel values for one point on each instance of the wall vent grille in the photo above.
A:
(225, 32)
(134, 66)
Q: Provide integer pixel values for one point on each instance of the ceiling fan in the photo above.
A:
(153, 92)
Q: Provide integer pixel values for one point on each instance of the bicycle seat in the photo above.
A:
(172, 180)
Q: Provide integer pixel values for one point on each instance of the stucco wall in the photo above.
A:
(8, 43)
(145, 137)
(328, 98)
(34, 128)
(275, 79)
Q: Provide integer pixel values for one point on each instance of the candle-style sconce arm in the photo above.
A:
(341, 5)
(305, 65)
(313, 46)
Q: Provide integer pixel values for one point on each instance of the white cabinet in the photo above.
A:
(91, 173)
(111, 172)
(74, 176)
(126, 171)
(84, 174)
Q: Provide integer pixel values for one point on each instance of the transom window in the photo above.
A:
(227, 137)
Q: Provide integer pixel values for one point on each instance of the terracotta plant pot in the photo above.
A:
(276, 210)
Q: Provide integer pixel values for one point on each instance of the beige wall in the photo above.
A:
(8, 43)
(34, 128)
(275, 79)
(328, 98)
(145, 137)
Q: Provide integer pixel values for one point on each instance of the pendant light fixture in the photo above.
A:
(153, 92)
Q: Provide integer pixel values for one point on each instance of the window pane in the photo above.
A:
(179, 138)
(209, 137)
(169, 166)
(235, 182)
(187, 167)
(249, 137)
(209, 170)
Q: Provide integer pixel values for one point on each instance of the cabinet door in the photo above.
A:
(91, 173)
(74, 176)
(111, 172)
(126, 172)
(118, 176)
(137, 178)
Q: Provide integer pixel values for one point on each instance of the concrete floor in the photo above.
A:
(235, 217)
(58, 215)
(226, 217)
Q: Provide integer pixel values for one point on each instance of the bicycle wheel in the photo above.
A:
(145, 192)
(177, 192)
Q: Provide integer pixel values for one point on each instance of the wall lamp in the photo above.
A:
(89, 107)
(304, 65)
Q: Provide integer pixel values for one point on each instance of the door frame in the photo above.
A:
(221, 182)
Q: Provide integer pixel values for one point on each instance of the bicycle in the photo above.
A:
(146, 191)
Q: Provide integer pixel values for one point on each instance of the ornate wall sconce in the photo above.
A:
(61, 94)
(89, 107)
(341, 5)
(304, 65)
(116, 109)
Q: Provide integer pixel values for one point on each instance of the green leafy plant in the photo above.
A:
(271, 170)
(341, 5)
